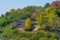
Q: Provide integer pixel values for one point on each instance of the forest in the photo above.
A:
(39, 23)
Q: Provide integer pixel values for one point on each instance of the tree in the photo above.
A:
(28, 24)
(58, 12)
(7, 13)
(12, 11)
(47, 5)
(50, 14)
(2, 16)
(8, 33)
(39, 19)
(51, 17)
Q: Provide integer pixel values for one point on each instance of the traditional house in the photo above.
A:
(21, 24)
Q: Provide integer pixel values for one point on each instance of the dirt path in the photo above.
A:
(36, 28)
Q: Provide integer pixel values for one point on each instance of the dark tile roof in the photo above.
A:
(22, 22)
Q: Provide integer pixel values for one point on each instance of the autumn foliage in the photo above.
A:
(28, 23)
(39, 19)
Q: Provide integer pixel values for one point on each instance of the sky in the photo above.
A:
(6, 5)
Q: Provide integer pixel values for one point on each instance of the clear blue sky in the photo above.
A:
(6, 5)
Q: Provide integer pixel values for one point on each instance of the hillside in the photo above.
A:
(56, 4)
(31, 23)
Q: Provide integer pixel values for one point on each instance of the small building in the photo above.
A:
(21, 24)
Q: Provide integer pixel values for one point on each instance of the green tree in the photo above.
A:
(12, 11)
(47, 5)
(8, 33)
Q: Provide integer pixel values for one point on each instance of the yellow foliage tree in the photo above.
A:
(28, 23)
(50, 14)
(39, 19)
